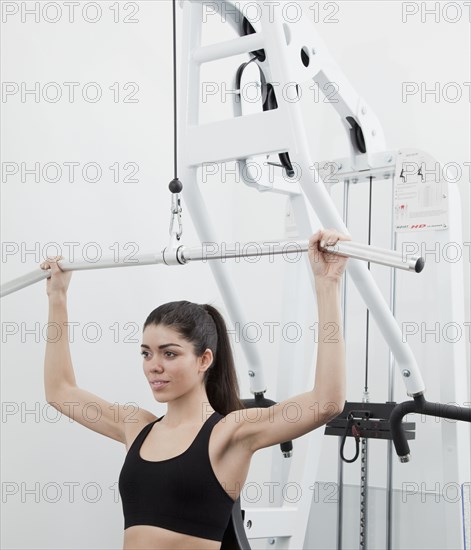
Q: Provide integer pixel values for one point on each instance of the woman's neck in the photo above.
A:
(188, 409)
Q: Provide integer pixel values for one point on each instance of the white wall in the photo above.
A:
(377, 51)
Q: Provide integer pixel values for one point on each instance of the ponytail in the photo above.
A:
(221, 382)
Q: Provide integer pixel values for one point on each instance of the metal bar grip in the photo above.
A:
(391, 258)
(105, 263)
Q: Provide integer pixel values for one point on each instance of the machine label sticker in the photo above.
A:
(420, 193)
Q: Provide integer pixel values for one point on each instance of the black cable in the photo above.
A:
(350, 427)
(368, 311)
(175, 87)
(175, 186)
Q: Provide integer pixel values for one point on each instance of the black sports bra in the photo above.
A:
(180, 494)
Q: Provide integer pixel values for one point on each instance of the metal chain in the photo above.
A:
(364, 495)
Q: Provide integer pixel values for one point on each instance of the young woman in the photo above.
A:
(184, 470)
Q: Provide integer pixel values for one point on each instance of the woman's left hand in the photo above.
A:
(325, 265)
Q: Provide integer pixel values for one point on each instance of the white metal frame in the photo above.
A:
(247, 137)
(277, 131)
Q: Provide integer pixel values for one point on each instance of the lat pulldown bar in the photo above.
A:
(211, 251)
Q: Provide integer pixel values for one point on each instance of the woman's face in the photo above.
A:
(170, 365)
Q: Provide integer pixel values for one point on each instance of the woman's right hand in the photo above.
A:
(58, 282)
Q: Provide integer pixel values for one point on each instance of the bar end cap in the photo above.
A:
(419, 265)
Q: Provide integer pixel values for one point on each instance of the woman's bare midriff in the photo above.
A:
(148, 537)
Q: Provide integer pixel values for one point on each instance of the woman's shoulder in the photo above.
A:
(136, 424)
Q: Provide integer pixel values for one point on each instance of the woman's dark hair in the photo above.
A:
(204, 327)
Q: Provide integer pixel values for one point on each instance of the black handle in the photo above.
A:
(420, 405)
(261, 401)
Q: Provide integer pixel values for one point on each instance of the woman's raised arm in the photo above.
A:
(327, 398)
(109, 419)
